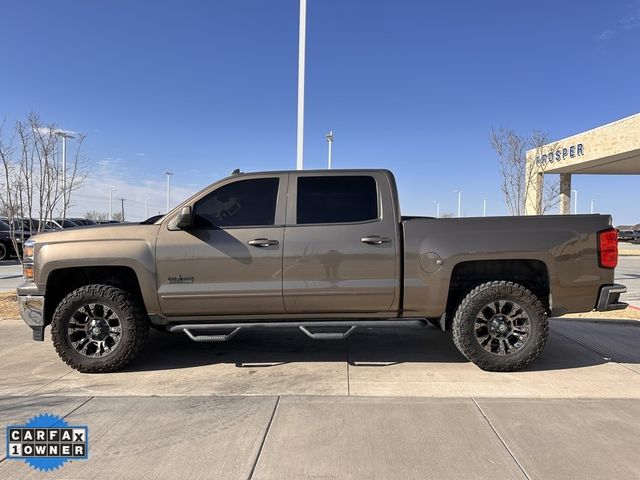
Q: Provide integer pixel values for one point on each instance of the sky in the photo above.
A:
(203, 87)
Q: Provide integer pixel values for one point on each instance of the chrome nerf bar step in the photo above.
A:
(212, 338)
(231, 329)
(328, 335)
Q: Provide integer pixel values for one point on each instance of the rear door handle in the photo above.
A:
(375, 240)
(262, 242)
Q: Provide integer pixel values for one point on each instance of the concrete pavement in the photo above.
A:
(628, 273)
(404, 362)
(383, 404)
(292, 437)
(10, 275)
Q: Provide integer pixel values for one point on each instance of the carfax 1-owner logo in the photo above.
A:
(46, 442)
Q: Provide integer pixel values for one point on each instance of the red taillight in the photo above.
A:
(608, 248)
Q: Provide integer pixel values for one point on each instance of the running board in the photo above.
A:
(328, 335)
(191, 330)
(212, 338)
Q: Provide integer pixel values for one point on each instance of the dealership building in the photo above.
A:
(612, 149)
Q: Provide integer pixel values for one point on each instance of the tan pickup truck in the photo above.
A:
(325, 251)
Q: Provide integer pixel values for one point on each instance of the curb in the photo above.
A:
(615, 321)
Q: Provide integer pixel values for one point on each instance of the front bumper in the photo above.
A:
(609, 298)
(32, 312)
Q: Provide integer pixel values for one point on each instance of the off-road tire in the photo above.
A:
(463, 328)
(133, 319)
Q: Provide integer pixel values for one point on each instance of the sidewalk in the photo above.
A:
(342, 437)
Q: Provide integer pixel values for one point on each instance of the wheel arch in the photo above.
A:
(62, 281)
(530, 273)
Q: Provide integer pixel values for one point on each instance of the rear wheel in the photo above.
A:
(500, 326)
(99, 328)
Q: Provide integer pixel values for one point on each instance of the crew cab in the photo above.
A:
(325, 251)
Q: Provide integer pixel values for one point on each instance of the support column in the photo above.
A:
(565, 193)
(533, 194)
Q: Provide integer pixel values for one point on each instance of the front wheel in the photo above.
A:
(500, 326)
(99, 328)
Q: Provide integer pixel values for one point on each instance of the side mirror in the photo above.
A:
(183, 219)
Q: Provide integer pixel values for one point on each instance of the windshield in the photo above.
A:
(151, 220)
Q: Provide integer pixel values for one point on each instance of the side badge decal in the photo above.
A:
(181, 279)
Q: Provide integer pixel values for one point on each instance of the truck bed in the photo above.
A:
(436, 251)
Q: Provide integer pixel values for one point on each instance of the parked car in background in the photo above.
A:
(30, 225)
(82, 222)
(107, 222)
(636, 236)
(7, 249)
(59, 224)
(626, 235)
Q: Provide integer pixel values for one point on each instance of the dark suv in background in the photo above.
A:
(626, 235)
(6, 245)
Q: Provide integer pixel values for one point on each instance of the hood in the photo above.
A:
(119, 231)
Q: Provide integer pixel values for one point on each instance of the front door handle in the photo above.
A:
(375, 240)
(262, 242)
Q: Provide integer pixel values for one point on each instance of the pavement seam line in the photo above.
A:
(524, 472)
(49, 382)
(264, 439)
(79, 406)
(628, 367)
(348, 371)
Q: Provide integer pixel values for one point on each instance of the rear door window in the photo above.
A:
(337, 199)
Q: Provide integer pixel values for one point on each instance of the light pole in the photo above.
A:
(301, 60)
(146, 207)
(437, 208)
(111, 190)
(484, 207)
(168, 174)
(575, 202)
(330, 142)
(459, 192)
(592, 202)
(64, 134)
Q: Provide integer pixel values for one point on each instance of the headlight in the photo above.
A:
(27, 250)
(27, 259)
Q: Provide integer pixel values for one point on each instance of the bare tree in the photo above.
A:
(96, 216)
(517, 173)
(102, 216)
(31, 187)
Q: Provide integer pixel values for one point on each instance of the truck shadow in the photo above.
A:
(573, 344)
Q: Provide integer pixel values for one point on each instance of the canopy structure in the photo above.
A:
(613, 148)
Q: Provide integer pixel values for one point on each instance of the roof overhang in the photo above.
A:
(610, 149)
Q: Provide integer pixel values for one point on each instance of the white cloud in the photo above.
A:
(606, 34)
(108, 162)
(632, 20)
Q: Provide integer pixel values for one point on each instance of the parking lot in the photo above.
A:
(381, 404)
